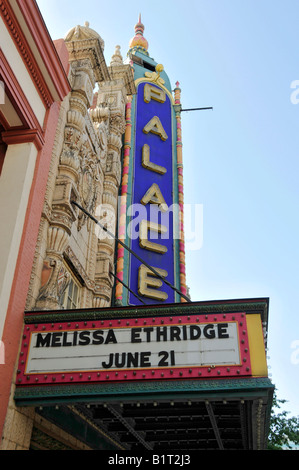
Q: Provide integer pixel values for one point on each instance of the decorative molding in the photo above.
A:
(22, 106)
(254, 306)
(152, 78)
(22, 45)
(22, 136)
(80, 49)
(152, 390)
(47, 50)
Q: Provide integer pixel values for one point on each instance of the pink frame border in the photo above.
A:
(123, 375)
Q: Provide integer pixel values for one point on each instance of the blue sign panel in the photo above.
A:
(151, 226)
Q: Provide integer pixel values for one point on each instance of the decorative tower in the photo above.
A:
(138, 42)
(151, 207)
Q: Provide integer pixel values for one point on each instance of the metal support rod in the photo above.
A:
(127, 425)
(195, 109)
(214, 425)
(131, 251)
(137, 297)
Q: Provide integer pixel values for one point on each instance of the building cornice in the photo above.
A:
(31, 130)
(57, 79)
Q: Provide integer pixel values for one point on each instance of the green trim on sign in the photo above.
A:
(259, 306)
(159, 390)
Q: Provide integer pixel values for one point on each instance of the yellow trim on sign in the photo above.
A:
(150, 80)
(256, 346)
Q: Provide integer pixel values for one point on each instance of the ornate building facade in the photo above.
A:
(73, 133)
(33, 83)
(72, 262)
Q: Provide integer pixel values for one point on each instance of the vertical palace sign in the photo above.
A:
(153, 197)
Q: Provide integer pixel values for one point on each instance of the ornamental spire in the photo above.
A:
(138, 42)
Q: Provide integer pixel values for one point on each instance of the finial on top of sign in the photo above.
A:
(155, 76)
(159, 70)
(139, 41)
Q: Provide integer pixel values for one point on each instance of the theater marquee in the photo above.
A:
(166, 347)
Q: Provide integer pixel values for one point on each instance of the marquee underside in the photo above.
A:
(160, 417)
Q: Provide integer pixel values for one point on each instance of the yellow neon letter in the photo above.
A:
(146, 163)
(154, 196)
(153, 93)
(147, 279)
(144, 242)
(155, 127)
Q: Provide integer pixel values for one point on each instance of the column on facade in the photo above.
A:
(179, 147)
(115, 95)
(71, 246)
(62, 215)
(122, 221)
(15, 186)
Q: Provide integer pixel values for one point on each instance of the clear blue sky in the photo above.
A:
(241, 159)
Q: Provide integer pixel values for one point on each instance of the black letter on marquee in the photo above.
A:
(135, 335)
(144, 359)
(41, 342)
(195, 332)
(222, 333)
(56, 340)
(84, 338)
(132, 360)
(148, 332)
(161, 332)
(110, 337)
(107, 366)
(209, 335)
(98, 337)
(175, 333)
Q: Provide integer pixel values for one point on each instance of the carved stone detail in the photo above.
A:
(86, 168)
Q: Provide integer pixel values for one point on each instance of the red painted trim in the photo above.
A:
(22, 46)
(14, 321)
(21, 104)
(44, 43)
(22, 136)
(31, 132)
(3, 148)
(3, 121)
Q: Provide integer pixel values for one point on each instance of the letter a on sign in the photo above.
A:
(156, 127)
(154, 196)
